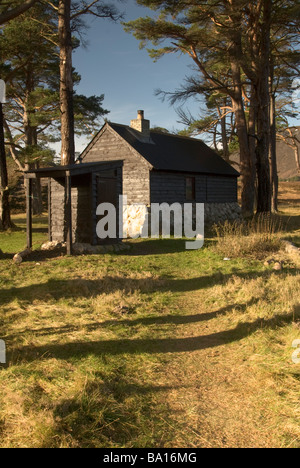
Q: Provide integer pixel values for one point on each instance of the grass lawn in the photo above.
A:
(154, 347)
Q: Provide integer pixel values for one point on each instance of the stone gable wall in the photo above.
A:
(110, 147)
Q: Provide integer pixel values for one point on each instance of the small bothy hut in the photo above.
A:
(161, 167)
(145, 166)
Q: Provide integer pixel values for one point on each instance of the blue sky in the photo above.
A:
(113, 64)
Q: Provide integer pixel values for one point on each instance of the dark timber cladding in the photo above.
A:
(160, 167)
(172, 187)
(73, 198)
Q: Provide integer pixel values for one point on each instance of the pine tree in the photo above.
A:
(31, 66)
(72, 12)
(238, 35)
(8, 11)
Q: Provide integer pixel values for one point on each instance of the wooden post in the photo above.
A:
(94, 239)
(69, 213)
(29, 212)
(49, 211)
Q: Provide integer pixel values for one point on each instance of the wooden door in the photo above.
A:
(107, 193)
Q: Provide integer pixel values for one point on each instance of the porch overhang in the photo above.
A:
(66, 173)
(60, 172)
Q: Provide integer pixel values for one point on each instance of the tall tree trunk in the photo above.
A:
(37, 202)
(5, 219)
(292, 141)
(297, 157)
(252, 140)
(242, 132)
(273, 146)
(263, 115)
(31, 140)
(215, 139)
(224, 135)
(37, 205)
(66, 83)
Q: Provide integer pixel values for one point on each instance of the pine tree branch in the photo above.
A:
(84, 10)
(14, 12)
(100, 11)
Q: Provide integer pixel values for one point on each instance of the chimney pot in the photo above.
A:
(141, 124)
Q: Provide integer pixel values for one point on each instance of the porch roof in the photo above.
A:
(57, 172)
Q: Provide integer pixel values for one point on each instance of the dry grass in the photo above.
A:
(289, 193)
(158, 347)
(241, 389)
(253, 238)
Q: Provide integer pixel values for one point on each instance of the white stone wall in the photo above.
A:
(134, 219)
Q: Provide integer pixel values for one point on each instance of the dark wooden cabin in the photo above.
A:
(146, 166)
(160, 167)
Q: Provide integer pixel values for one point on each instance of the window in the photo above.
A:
(190, 188)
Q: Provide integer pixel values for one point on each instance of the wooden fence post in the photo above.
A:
(69, 213)
(29, 212)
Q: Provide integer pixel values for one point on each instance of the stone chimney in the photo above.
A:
(141, 125)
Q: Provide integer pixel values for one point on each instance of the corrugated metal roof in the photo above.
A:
(169, 152)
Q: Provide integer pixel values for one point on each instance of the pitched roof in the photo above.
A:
(167, 152)
(175, 153)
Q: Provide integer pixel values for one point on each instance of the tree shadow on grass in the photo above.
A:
(80, 350)
(81, 288)
(6, 256)
(114, 412)
(37, 226)
(146, 321)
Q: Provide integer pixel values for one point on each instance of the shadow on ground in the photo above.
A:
(146, 321)
(79, 350)
(75, 288)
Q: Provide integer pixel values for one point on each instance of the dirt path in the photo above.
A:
(216, 398)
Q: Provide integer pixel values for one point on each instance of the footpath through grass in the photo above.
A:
(155, 347)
